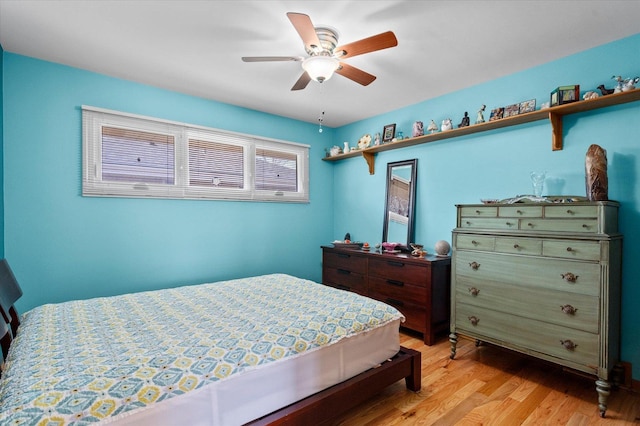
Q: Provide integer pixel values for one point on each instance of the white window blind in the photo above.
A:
(137, 156)
(215, 164)
(276, 170)
(126, 155)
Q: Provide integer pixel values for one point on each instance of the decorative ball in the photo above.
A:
(442, 248)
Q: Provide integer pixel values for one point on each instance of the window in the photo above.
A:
(132, 156)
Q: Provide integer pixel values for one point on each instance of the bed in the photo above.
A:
(272, 349)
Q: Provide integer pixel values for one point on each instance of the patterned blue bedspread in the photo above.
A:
(80, 362)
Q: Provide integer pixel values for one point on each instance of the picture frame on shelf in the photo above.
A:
(511, 110)
(388, 132)
(565, 95)
(527, 106)
(496, 114)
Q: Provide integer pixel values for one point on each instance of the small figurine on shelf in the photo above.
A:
(604, 90)
(480, 118)
(618, 88)
(418, 129)
(465, 120)
(376, 140)
(629, 84)
(433, 127)
(446, 125)
(590, 95)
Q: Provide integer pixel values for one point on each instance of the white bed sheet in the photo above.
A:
(258, 392)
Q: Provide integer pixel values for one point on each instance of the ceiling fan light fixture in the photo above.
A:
(320, 68)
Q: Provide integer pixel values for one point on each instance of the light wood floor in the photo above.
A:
(487, 385)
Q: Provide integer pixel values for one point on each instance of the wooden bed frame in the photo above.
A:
(330, 403)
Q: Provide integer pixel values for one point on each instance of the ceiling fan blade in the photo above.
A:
(302, 82)
(271, 58)
(355, 74)
(366, 45)
(302, 23)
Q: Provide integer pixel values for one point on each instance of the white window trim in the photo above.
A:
(92, 185)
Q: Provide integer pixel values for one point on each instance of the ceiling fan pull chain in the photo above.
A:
(320, 119)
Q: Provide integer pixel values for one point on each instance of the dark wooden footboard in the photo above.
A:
(336, 400)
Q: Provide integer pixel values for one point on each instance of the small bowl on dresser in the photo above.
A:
(389, 247)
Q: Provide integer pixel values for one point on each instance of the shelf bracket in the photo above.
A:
(370, 158)
(556, 131)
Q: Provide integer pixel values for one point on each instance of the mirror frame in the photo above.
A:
(412, 201)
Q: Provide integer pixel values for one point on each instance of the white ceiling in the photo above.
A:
(194, 47)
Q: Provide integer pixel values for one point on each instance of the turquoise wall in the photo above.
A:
(64, 246)
(496, 164)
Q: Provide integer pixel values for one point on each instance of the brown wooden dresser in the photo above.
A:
(417, 287)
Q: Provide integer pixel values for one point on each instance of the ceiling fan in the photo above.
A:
(325, 56)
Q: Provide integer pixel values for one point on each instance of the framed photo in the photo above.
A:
(511, 110)
(389, 132)
(496, 114)
(527, 106)
(565, 95)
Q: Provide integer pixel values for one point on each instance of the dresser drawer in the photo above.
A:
(345, 261)
(561, 225)
(571, 211)
(489, 223)
(398, 270)
(479, 211)
(572, 249)
(528, 335)
(520, 211)
(475, 242)
(381, 288)
(345, 280)
(415, 315)
(547, 273)
(573, 310)
(531, 246)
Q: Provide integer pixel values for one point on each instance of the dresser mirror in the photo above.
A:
(399, 205)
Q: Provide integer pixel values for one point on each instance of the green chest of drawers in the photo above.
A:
(541, 279)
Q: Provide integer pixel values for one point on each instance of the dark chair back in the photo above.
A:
(5, 339)
(5, 342)
(10, 292)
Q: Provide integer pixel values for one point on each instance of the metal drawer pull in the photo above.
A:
(568, 344)
(569, 277)
(516, 246)
(474, 320)
(474, 265)
(530, 225)
(569, 211)
(569, 249)
(394, 302)
(474, 242)
(519, 211)
(477, 211)
(344, 272)
(474, 291)
(508, 223)
(346, 256)
(468, 223)
(392, 263)
(584, 225)
(396, 283)
(568, 309)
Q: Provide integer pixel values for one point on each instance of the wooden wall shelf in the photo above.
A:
(553, 114)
